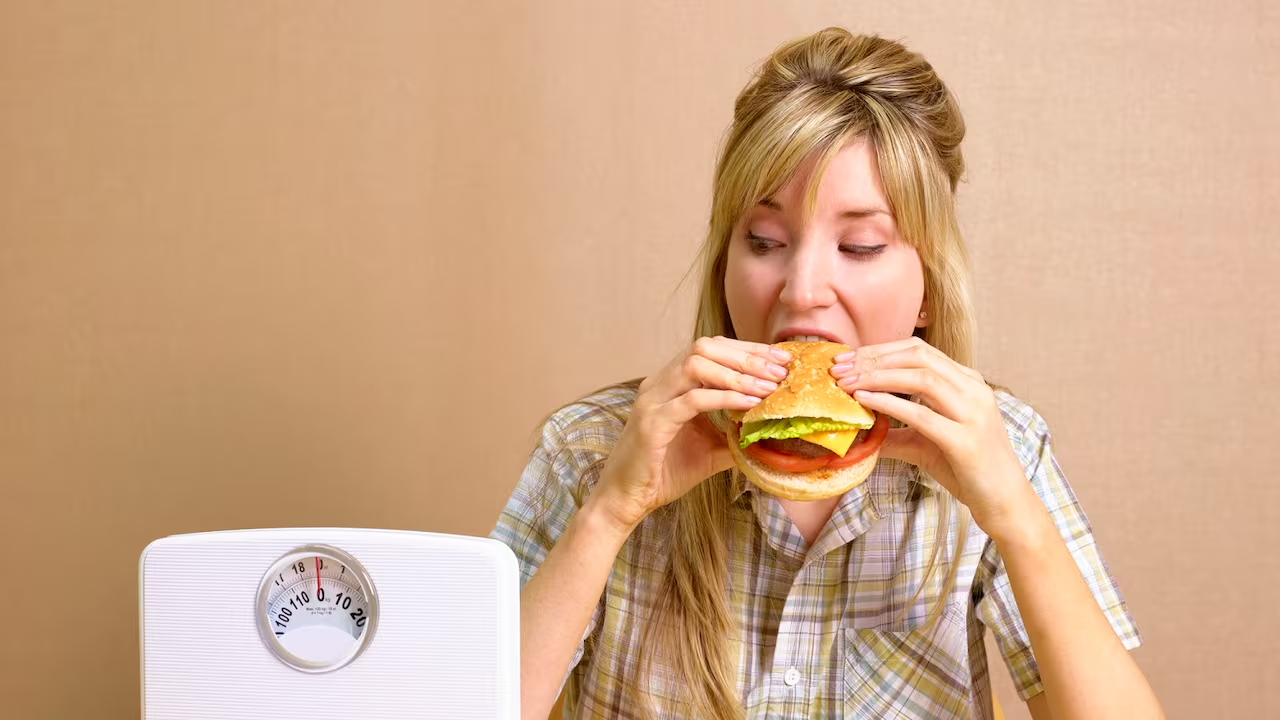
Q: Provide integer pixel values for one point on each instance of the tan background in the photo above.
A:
(261, 262)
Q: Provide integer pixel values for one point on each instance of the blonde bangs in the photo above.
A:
(770, 151)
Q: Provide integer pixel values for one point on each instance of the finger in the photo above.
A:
(956, 391)
(686, 407)
(937, 392)
(698, 371)
(930, 424)
(710, 374)
(951, 365)
(879, 348)
(718, 458)
(748, 358)
(905, 354)
(697, 368)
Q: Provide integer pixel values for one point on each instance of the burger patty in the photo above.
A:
(796, 446)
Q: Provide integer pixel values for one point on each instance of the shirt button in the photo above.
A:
(791, 677)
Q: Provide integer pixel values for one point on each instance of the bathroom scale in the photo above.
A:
(329, 624)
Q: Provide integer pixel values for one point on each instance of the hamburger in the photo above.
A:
(808, 439)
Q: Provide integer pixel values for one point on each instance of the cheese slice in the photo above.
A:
(836, 442)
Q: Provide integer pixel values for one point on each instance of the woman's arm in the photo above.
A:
(557, 603)
(1038, 705)
(1085, 669)
(955, 433)
(666, 447)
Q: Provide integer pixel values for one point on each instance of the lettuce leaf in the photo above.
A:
(785, 428)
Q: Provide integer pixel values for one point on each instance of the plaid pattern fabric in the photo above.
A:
(829, 630)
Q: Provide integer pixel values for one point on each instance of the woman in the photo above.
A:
(659, 583)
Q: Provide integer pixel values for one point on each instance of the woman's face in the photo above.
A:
(843, 274)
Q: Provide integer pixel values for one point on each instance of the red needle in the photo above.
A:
(318, 590)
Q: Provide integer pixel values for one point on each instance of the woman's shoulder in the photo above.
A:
(588, 426)
(572, 443)
(1018, 414)
(1032, 442)
(1027, 428)
(607, 406)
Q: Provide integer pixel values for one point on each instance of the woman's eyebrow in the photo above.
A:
(853, 212)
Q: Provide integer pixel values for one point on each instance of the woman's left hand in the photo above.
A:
(955, 432)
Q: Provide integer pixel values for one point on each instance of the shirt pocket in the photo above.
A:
(920, 672)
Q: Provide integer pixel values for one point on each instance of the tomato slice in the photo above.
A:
(861, 450)
(785, 462)
(864, 446)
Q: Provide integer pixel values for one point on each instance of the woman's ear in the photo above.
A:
(922, 320)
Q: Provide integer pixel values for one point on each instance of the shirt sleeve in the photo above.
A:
(539, 511)
(995, 605)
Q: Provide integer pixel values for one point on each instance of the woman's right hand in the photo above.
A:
(669, 445)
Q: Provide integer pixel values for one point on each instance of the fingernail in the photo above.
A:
(849, 381)
(765, 385)
(752, 400)
(780, 355)
(841, 368)
(777, 371)
(845, 357)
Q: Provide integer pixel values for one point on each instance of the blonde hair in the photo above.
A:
(810, 98)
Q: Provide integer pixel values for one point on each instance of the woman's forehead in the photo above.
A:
(849, 188)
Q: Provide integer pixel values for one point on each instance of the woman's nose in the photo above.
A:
(808, 282)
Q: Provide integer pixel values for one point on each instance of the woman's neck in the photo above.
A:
(810, 516)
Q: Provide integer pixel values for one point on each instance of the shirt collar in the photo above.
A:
(891, 482)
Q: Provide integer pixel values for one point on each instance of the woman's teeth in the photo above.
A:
(804, 338)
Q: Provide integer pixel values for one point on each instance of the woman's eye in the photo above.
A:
(760, 245)
(862, 251)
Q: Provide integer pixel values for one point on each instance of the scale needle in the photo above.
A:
(318, 590)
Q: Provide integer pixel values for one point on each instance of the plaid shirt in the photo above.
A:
(825, 631)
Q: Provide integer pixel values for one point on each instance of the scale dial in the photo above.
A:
(317, 608)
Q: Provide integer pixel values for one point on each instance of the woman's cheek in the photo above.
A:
(884, 305)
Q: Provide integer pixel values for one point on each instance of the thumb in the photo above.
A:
(907, 445)
(719, 461)
(718, 456)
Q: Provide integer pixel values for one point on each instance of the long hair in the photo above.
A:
(810, 98)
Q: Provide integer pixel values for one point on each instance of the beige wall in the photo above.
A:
(261, 262)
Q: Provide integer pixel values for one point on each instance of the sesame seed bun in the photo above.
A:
(809, 390)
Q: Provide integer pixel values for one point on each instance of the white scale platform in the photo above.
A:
(439, 636)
